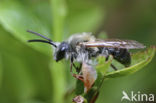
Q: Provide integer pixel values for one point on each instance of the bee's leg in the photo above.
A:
(80, 66)
(114, 67)
(75, 66)
(78, 69)
(71, 66)
(79, 77)
(107, 57)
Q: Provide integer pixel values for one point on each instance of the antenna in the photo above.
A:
(43, 41)
(38, 40)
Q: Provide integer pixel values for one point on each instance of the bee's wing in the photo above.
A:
(114, 43)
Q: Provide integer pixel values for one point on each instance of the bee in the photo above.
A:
(82, 47)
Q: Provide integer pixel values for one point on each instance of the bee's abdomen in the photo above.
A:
(121, 55)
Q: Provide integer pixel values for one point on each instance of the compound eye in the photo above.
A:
(63, 49)
(60, 54)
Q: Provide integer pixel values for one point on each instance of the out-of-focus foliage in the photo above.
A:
(25, 69)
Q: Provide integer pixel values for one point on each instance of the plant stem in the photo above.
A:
(57, 69)
(1, 70)
(58, 14)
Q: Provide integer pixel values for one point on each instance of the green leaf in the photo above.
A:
(16, 18)
(139, 60)
(103, 65)
(79, 87)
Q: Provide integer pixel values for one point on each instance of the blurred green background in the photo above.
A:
(27, 72)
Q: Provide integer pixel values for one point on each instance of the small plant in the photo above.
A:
(91, 92)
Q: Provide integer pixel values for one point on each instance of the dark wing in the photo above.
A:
(114, 43)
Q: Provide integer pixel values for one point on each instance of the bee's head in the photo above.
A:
(61, 51)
